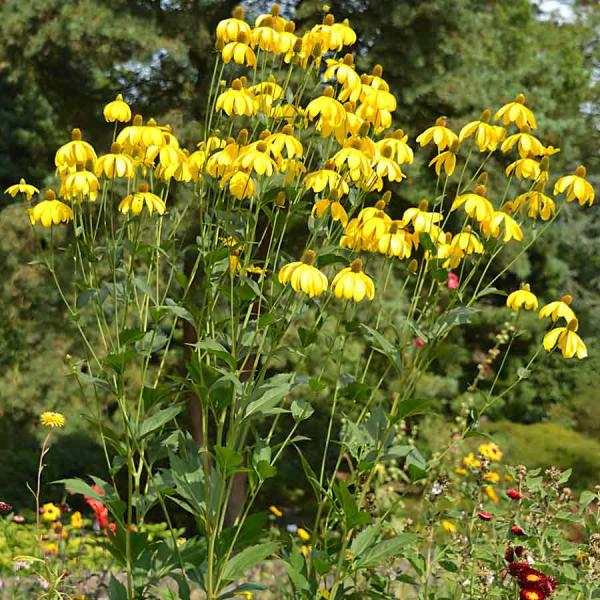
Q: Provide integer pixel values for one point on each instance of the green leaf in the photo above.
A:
(119, 361)
(238, 565)
(412, 406)
(384, 551)
(179, 311)
(301, 410)
(116, 590)
(352, 514)
(364, 539)
(307, 336)
(427, 243)
(211, 346)
(382, 345)
(227, 459)
(488, 291)
(158, 419)
(267, 397)
(416, 465)
(78, 486)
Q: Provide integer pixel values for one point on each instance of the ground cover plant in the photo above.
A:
(267, 248)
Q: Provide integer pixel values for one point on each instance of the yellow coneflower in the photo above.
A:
(117, 110)
(22, 188)
(303, 276)
(516, 112)
(135, 202)
(523, 298)
(50, 211)
(566, 340)
(352, 284)
(576, 186)
(558, 309)
(439, 134)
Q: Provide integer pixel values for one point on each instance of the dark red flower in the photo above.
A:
(514, 494)
(509, 555)
(5, 508)
(531, 594)
(484, 516)
(517, 530)
(519, 551)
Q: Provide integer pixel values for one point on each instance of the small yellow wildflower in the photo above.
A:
(522, 298)
(559, 308)
(352, 284)
(303, 534)
(76, 520)
(492, 476)
(50, 512)
(22, 188)
(566, 340)
(576, 186)
(470, 461)
(490, 451)
(448, 526)
(278, 513)
(491, 494)
(303, 276)
(51, 548)
(52, 419)
(117, 110)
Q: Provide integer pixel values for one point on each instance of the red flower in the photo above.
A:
(509, 555)
(531, 594)
(514, 494)
(484, 516)
(516, 568)
(5, 508)
(517, 530)
(453, 282)
(419, 343)
(519, 551)
(99, 508)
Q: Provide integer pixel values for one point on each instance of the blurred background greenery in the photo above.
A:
(62, 60)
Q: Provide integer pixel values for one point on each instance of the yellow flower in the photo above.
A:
(240, 52)
(303, 534)
(343, 72)
(338, 212)
(470, 461)
(397, 241)
(317, 181)
(285, 139)
(73, 152)
(524, 168)
(51, 548)
(354, 160)
(265, 37)
(76, 520)
(536, 202)
(327, 108)
(557, 309)
(241, 185)
(401, 151)
(228, 30)
(52, 419)
(80, 184)
(527, 144)
(305, 550)
(566, 340)
(491, 227)
(445, 160)
(278, 513)
(576, 186)
(50, 512)
(422, 220)
(303, 276)
(490, 451)
(50, 211)
(441, 136)
(256, 158)
(492, 476)
(448, 526)
(467, 241)
(522, 298)
(115, 164)
(352, 284)
(140, 137)
(22, 188)
(516, 112)
(477, 206)
(236, 100)
(117, 110)
(486, 136)
(490, 492)
(135, 202)
(460, 471)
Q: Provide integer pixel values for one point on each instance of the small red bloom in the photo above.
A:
(514, 494)
(519, 551)
(530, 594)
(509, 555)
(419, 343)
(517, 530)
(516, 568)
(5, 508)
(99, 508)
(484, 516)
(453, 282)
